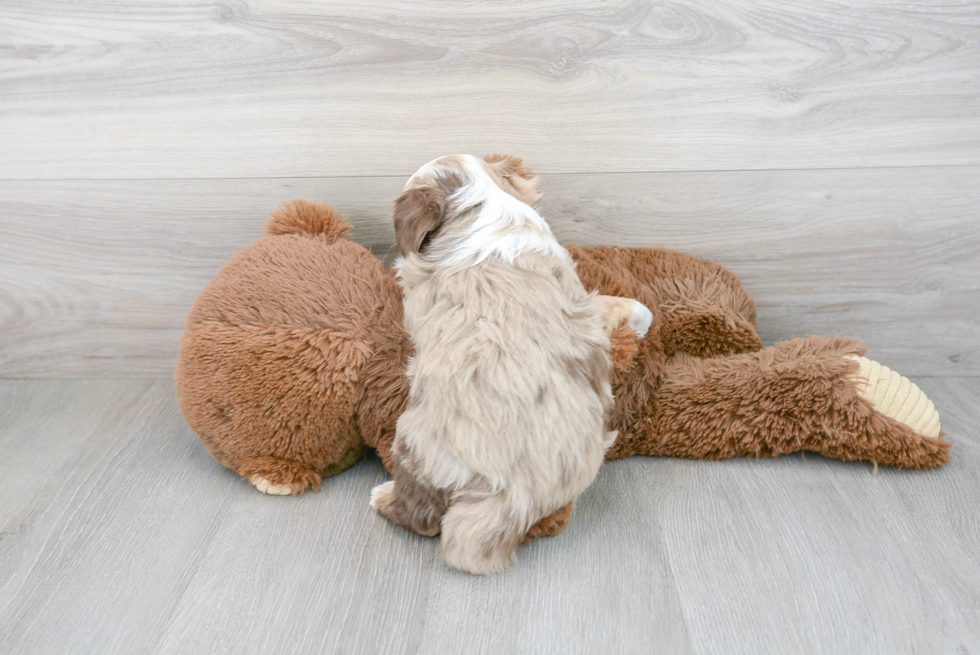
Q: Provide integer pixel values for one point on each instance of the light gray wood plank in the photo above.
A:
(30, 423)
(926, 523)
(818, 556)
(96, 559)
(888, 257)
(97, 277)
(147, 545)
(141, 543)
(605, 584)
(181, 89)
(320, 573)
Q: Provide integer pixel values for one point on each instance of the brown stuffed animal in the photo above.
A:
(294, 355)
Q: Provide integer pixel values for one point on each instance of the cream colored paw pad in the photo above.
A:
(897, 397)
(267, 487)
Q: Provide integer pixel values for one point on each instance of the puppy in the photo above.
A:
(510, 382)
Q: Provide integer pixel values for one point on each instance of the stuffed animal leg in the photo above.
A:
(806, 394)
(702, 387)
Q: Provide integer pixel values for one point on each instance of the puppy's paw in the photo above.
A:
(641, 318)
(625, 312)
(383, 496)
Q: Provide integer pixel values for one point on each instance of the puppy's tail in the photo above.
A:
(480, 534)
(310, 218)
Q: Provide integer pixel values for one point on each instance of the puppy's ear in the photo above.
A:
(521, 179)
(510, 165)
(418, 213)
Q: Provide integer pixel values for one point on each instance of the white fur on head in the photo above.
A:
(504, 225)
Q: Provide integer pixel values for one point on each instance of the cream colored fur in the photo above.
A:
(510, 380)
(897, 397)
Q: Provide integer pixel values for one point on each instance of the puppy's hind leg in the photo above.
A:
(410, 503)
(480, 534)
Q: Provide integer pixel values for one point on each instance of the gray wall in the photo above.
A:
(827, 153)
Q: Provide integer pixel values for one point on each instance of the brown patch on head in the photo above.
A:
(418, 213)
(514, 165)
(515, 178)
(421, 209)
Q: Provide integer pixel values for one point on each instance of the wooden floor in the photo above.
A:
(827, 151)
(119, 534)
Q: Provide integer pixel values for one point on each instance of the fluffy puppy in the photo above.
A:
(510, 382)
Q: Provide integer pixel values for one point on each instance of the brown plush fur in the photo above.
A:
(294, 358)
(791, 397)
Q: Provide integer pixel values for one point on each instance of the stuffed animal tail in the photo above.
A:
(311, 218)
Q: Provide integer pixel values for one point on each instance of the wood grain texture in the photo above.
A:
(888, 257)
(122, 535)
(97, 277)
(837, 559)
(37, 440)
(143, 144)
(264, 88)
